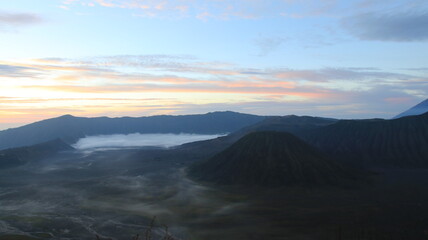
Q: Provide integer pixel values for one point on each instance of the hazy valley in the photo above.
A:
(213, 120)
(337, 179)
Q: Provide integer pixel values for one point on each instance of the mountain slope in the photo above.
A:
(18, 156)
(291, 124)
(270, 159)
(399, 142)
(72, 128)
(420, 108)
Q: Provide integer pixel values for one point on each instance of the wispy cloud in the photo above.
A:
(12, 20)
(269, 45)
(16, 71)
(19, 18)
(147, 85)
(137, 74)
(214, 9)
(394, 20)
(341, 74)
(393, 26)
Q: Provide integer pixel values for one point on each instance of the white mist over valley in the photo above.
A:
(140, 140)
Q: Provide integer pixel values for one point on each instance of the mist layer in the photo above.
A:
(139, 140)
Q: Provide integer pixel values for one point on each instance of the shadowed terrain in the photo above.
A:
(18, 156)
(375, 143)
(116, 193)
(271, 159)
(78, 194)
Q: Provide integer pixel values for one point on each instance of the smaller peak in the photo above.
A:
(56, 143)
(289, 116)
(67, 116)
(217, 112)
(230, 113)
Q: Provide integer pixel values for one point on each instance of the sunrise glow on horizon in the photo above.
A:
(330, 58)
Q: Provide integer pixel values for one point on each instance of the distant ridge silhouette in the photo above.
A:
(70, 128)
(418, 109)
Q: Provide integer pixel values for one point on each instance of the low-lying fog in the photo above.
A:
(139, 140)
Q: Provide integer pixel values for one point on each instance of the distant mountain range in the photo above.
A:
(399, 142)
(70, 128)
(368, 143)
(281, 159)
(19, 156)
(271, 159)
(420, 108)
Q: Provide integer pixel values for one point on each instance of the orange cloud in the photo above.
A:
(125, 85)
(150, 88)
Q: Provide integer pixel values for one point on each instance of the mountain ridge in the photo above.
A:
(290, 123)
(400, 142)
(12, 157)
(71, 128)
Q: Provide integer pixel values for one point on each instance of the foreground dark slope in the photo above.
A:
(270, 159)
(400, 142)
(72, 128)
(18, 156)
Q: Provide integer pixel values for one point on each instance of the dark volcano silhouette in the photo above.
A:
(292, 124)
(271, 159)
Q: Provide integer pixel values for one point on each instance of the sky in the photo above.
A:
(332, 58)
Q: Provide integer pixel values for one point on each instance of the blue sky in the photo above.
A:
(344, 59)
